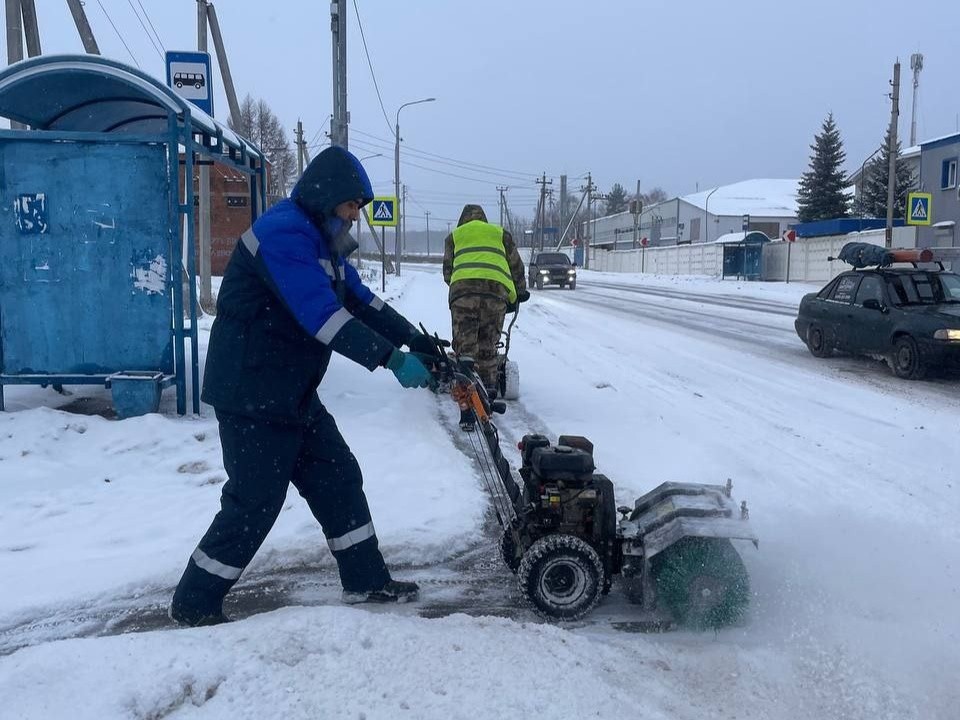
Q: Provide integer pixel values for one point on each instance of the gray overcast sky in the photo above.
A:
(674, 94)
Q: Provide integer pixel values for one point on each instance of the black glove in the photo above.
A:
(425, 345)
(523, 296)
(511, 307)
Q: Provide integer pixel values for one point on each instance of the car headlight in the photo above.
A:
(544, 272)
(571, 272)
(951, 335)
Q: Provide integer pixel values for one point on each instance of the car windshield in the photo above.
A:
(923, 288)
(950, 284)
(552, 259)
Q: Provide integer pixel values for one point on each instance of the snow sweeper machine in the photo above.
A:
(564, 541)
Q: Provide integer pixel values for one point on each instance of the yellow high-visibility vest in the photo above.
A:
(479, 254)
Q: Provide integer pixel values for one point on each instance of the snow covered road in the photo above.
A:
(851, 477)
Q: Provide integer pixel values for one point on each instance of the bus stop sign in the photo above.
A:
(188, 75)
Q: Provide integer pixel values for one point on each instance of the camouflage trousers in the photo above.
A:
(477, 322)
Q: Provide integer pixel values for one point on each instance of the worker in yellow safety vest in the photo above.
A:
(486, 278)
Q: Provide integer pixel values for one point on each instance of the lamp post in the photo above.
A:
(359, 223)
(863, 168)
(396, 171)
(706, 215)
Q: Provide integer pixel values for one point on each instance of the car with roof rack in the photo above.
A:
(907, 316)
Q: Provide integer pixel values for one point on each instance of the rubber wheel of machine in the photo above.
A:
(817, 342)
(508, 551)
(905, 359)
(561, 576)
(511, 381)
(702, 582)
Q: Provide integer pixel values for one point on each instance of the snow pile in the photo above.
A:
(850, 478)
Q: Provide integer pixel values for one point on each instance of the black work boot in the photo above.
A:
(182, 616)
(198, 599)
(393, 591)
(468, 421)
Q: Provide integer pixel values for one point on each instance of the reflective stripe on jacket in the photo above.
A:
(479, 254)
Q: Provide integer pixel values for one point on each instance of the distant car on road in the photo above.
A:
(909, 317)
(552, 268)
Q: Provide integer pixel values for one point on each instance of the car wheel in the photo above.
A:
(817, 342)
(905, 359)
(539, 283)
(179, 84)
(573, 285)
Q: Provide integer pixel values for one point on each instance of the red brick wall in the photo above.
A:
(229, 211)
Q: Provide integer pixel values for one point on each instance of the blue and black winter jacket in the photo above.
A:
(288, 300)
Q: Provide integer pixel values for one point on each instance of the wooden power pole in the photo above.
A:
(83, 27)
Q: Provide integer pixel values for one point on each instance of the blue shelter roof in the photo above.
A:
(90, 93)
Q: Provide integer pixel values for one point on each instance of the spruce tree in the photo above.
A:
(822, 195)
(873, 195)
(616, 199)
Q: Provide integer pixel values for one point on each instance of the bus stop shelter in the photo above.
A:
(743, 255)
(97, 239)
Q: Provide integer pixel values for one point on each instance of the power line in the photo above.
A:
(317, 133)
(503, 171)
(414, 200)
(147, 16)
(373, 146)
(145, 31)
(356, 11)
(118, 34)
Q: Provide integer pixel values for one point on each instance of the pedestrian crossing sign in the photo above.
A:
(918, 208)
(383, 211)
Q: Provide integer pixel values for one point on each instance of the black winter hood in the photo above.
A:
(471, 213)
(332, 177)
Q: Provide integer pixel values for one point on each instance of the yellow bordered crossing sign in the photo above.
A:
(383, 211)
(919, 208)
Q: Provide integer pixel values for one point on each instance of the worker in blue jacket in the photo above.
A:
(287, 302)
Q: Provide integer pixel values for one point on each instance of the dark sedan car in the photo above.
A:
(552, 268)
(909, 317)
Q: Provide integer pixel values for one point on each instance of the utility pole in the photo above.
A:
(563, 202)
(541, 220)
(228, 87)
(403, 217)
(14, 43)
(916, 64)
(636, 219)
(892, 151)
(503, 203)
(29, 12)
(83, 27)
(203, 219)
(299, 132)
(427, 213)
(341, 118)
(588, 232)
(14, 32)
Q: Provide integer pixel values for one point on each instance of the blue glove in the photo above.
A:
(409, 370)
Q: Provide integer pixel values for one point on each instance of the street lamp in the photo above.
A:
(396, 171)
(863, 168)
(367, 157)
(706, 215)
